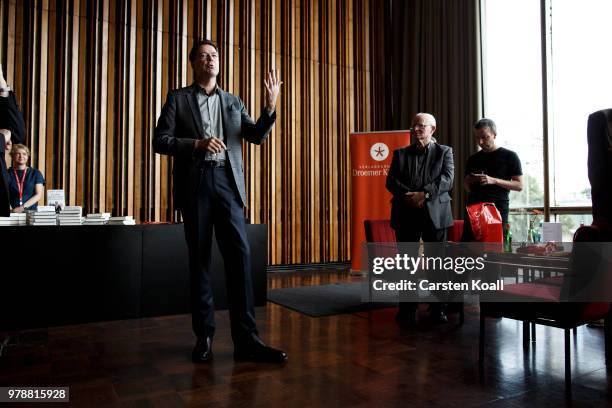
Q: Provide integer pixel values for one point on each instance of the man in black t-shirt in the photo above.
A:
(490, 174)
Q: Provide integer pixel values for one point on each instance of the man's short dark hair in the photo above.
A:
(484, 122)
(196, 47)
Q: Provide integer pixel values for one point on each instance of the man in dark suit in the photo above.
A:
(202, 127)
(599, 137)
(420, 179)
(12, 130)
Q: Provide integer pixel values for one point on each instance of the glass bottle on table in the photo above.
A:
(539, 231)
(531, 233)
(508, 238)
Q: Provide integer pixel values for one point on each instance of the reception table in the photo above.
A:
(58, 275)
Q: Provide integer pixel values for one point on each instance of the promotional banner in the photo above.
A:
(371, 155)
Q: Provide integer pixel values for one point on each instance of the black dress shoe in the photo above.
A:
(256, 351)
(202, 351)
(406, 320)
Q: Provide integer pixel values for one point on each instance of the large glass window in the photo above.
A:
(578, 66)
(581, 84)
(513, 88)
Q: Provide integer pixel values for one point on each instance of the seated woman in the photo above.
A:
(25, 183)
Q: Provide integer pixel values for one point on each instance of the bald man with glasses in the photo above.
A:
(420, 179)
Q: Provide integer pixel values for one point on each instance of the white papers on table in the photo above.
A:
(552, 232)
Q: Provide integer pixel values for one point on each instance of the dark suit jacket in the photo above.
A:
(180, 124)
(439, 173)
(11, 119)
(599, 135)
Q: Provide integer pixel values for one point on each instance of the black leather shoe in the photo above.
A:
(256, 351)
(406, 320)
(202, 351)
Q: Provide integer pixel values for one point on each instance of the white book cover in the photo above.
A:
(56, 198)
(44, 208)
(98, 215)
(9, 221)
(72, 208)
(68, 210)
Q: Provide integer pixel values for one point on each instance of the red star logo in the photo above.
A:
(379, 151)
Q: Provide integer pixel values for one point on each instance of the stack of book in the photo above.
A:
(124, 220)
(20, 217)
(71, 215)
(96, 219)
(14, 219)
(43, 215)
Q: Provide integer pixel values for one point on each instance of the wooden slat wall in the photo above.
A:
(92, 75)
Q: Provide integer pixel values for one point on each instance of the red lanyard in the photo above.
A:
(20, 184)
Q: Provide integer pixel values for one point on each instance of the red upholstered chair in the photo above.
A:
(381, 231)
(453, 234)
(547, 309)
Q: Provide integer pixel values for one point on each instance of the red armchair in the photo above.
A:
(543, 306)
(381, 231)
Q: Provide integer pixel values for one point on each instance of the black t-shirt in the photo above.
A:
(500, 163)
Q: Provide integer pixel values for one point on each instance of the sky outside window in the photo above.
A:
(582, 84)
(513, 88)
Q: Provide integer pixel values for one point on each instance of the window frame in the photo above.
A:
(548, 210)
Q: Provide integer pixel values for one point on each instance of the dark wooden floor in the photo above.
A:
(358, 360)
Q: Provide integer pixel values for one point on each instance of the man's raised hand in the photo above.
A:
(272, 83)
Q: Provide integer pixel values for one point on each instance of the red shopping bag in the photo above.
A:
(486, 222)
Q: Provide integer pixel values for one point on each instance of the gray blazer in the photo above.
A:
(180, 124)
(439, 173)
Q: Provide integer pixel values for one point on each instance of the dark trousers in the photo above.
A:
(218, 206)
(420, 227)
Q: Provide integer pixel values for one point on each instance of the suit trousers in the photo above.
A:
(420, 227)
(218, 205)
